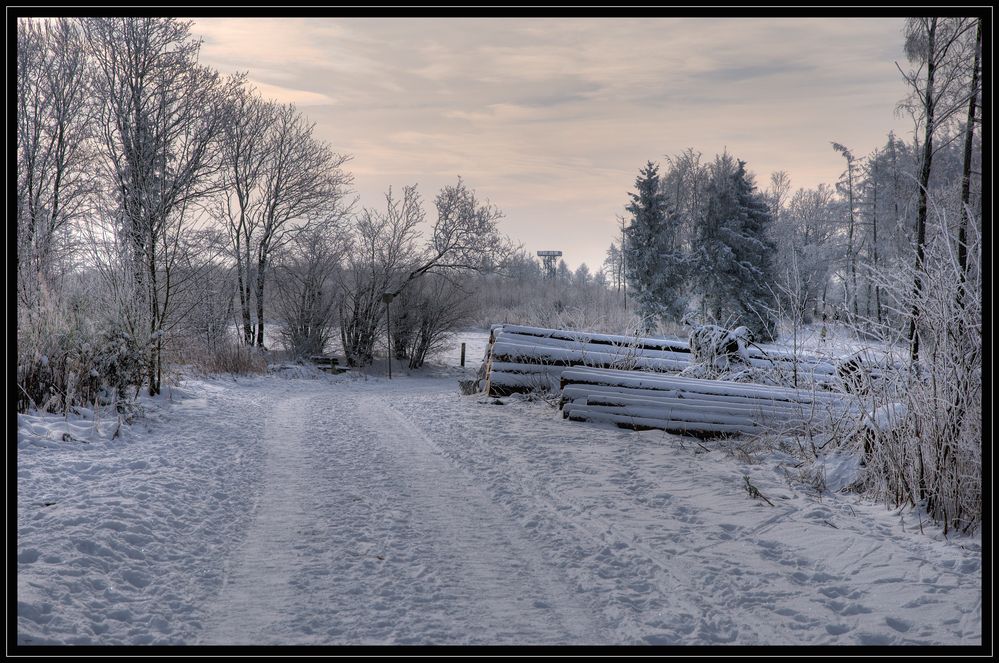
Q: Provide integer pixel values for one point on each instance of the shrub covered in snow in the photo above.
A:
(67, 357)
(926, 427)
(425, 315)
(720, 354)
(720, 348)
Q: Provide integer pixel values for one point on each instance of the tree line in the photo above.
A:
(703, 238)
(892, 250)
(160, 204)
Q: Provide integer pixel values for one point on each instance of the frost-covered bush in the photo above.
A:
(305, 275)
(425, 315)
(119, 362)
(67, 356)
(37, 327)
(225, 355)
(209, 304)
(232, 358)
(720, 354)
(925, 433)
(720, 348)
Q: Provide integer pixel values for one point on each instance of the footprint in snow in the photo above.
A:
(837, 629)
(900, 625)
(29, 556)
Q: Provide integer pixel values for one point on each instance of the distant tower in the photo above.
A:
(548, 259)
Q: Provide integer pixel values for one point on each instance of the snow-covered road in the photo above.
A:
(366, 533)
(366, 512)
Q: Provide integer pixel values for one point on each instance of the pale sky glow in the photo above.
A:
(551, 119)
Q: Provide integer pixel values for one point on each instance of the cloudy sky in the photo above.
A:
(552, 119)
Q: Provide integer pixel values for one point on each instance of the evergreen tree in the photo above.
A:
(653, 259)
(734, 254)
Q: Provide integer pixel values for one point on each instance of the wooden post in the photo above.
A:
(463, 355)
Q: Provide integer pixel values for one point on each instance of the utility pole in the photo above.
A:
(387, 298)
(624, 264)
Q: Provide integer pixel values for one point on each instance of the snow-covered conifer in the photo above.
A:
(654, 262)
(733, 253)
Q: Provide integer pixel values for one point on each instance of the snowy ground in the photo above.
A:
(364, 511)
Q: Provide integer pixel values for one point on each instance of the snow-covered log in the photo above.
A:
(661, 382)
(520, 358)
(612, 340)
(675, 345)
(732, 403)
(517, 344)
(504, 350)
(625, 419)
(503, 383)
(589, 347)
(692, 406)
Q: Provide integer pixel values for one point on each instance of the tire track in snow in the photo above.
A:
(257, 596)
(364, 533)
(407, 521)
(615, 571)
(496, 563)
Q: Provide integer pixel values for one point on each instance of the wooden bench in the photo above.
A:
(328, 363)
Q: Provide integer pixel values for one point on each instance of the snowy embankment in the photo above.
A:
(363, 511)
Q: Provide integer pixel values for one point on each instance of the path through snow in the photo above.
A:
(369, 512)
(366, 533)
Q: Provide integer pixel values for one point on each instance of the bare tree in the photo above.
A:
(387, 259)
(207, 305)
(53, 129)
(871, 209)
(305, 272)
(684, 183)
(613, 266)
(778, 193)
(969, 139)
(851, 253)
(159, 114)
(245, 151)
(432, 308)
(930, 42)
(464, 237)
(383, 245)
(622, 226)
(805, 237)
(303, 179)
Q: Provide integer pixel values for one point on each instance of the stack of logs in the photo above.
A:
(522, 359)
(632, 381)
(687, 406)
